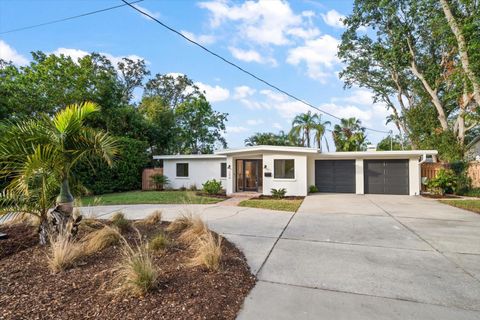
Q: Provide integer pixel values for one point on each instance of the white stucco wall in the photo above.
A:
(295, 187)
(199, 171)
(414, 178)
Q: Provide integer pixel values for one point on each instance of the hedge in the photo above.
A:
(125, 175)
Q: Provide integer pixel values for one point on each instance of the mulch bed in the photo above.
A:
(218, 195)
(29, 290)
(437, 196)
(284, 198)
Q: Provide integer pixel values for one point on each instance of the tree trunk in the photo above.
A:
(433, 94)
(59, 220)
(462, 50)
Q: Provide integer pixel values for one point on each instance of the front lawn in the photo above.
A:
(149, 197)
(471, 205)
(291, 205)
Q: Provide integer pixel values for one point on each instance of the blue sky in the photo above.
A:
(291, 44)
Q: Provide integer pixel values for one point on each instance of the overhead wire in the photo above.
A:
(233, 64)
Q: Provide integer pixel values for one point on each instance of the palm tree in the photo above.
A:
(349, 135)
(320, 128)
(302, 126)
(37, 159)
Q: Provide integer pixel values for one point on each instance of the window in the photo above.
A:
(223, 170)
(182, 169)
(284, 169)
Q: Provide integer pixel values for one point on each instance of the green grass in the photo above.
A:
(471, 205)
(148, 197)
(273, 204)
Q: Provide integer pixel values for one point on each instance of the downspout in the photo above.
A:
(422, 160)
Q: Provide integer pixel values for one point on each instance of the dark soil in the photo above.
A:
(19, 237)
(438, 196)
(286, 197)
(29, 290)
(218, 195)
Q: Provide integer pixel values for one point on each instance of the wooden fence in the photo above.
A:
(147, 174)
(430, 170)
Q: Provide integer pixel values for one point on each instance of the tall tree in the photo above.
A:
(199, 127)
(320, 128)
(409, 53)
(174, 89)
(349, 135)
(302, 126)
(271, 139)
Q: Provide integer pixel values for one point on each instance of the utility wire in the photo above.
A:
(240, 68)
(68, 18)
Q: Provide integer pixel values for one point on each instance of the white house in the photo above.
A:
(261, 168)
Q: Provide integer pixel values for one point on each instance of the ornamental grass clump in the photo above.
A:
(159, 243)
(153, 219)
(119, 221)
(137, 274)
(194, 231)
(207, 252)
(64, 252)
(100, 239)
(181, 223)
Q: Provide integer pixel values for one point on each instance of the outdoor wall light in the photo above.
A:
(229, 167)
(265, 167)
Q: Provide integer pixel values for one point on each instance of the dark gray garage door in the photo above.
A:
(386, 176)
(335, 176)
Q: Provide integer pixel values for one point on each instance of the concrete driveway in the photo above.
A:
(371, 257)
(350, 256)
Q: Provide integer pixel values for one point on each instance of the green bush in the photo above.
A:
(278, 193)
(444, 182)
(125, 175)
(160, 181)
(212, 186)
(312, 189)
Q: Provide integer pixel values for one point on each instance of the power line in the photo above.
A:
(68, 18)
(240, 68)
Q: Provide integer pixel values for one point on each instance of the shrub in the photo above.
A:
(119, 221)
(153, 219)
(125, 175)
(63, 252)
(443, 183)
(160, 181)
(212, 186)
(193, 187)
(159, 243)
(183, 188)
(137, 274)
(278, 193)
(207, 252)
(195, 230)
(181, 223)
(312, 189)
(100, 239)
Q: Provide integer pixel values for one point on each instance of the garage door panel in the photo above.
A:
(335, 176)
(386, 176)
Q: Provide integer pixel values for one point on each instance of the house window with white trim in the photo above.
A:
(223, 170)
(182, 170)
(284, 169)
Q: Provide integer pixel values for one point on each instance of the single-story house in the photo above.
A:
(261, 168)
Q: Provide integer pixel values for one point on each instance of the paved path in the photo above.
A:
(350, 256)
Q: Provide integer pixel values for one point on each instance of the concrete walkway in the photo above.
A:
(350, 256)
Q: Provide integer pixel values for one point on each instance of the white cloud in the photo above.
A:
(319, 55)
(242, 92)
(334, 19)
(277, 125)
(152, 13)
(304, 33)
(9, 54)
(251, 56)
(235, 129)
(265, 22)
(202, 39)
(360, 96)
(76, 54)
(255, 122)
(213, 94)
